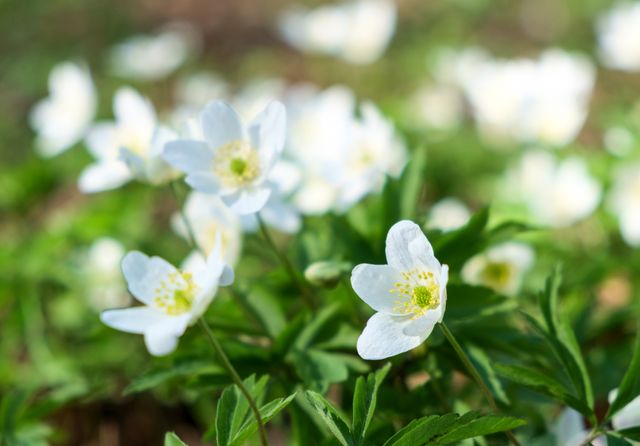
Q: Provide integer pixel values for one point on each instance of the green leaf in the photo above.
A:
(542, 383)
(412, 181)
(455, 247)
(317, 368)
(155, 377)
(630, 386)
(267, 413)
(330, 417)
(364, 402)
(485, 368)
(422, 430)
(171, 439)
(310, 331)
(267, 311)
(632, 433)
(478, 427)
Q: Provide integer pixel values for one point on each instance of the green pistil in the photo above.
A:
(422, 296)
(238, 166)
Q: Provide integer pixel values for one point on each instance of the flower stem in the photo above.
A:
(191, 237)
(304, 291)
(475, 375)
(236, 379)
(595, 433)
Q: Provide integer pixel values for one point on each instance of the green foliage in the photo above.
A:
(365, 399)
(171, 439)
(630, 386)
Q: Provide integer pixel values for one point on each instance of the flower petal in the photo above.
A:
(423, 326)
(134, 112)
(384, 337)
(247, 201)
(442, 282)
(407, 247)
(268, 132)
(145, 274)
(203, 181)
(188, 155)
(132, 320)
(221, 124)
(373, 283)
(162, 338)
(103, 176)
(102, 141)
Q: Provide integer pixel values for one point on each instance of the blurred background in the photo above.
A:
(530, 107)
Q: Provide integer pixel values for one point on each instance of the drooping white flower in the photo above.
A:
(356, 31)
(151, 57)
(619, 37)
(105, 288)
(557, 193)
(128, 148)
(501, 267)
(569, 430)
(624, 202)
(409, 294)
(628, 416)
(211, 220)
(234, 160)
(448, 214)
(173, 299)
(62, 119)
(541, 101)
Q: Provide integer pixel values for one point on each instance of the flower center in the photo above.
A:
(236, 164)
(497, 273)
(176, 293)
(416, 294)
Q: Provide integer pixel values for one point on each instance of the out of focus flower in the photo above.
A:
(62, 119)
(151, 57)
(128, 148)
(557, 193)
(197, 90)
(619, 37)
(570, 430)
(618, 141)
(624, 201)
(409, 294)
(343, 158)
(501, 267)
(211, 220)
(234, 161)
(438, 106)
(448, 214)
(357, 31)
(172, 299)
(105, 288)
(628, 416)
(535, 101)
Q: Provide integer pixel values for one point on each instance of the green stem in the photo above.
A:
(475, 375)
(304, 291)
(236, 379)
(595, 433)
(191, 237)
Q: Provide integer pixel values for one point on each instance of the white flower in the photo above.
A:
(151, 57)
(105, 288)
(448, 214)
(439, 106)
(234, 160)
(62, 119)
(501, 267)
(128, 148)
(533, 101)
(199, 89)
(357, 31)
(558, 194)
(569, 430)
(628, 416)
(409, 294)
(172, 299)
(624, 202)
(211, 220)
(619, 37)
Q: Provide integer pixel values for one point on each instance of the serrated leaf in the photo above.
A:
(171, 439)
(478, 427)
(364, 402)
(267, 413)
(542, 383)
(630, 386)
(422, 430)
(330, 417)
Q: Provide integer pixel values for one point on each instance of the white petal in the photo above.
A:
(442, 282)
(145, 274)
(423, 326)
(373, 283)
(132, 320)
(188, 155)
(134, 162)
(103, 176)
(281, 215)
(162, 338)
(134, 111)
(102, 141)
(248, 201)
(384, 337)
(268, 133)
(221, 124)
(628, 416)
(203, 181)
(407, 247)
(228, 276)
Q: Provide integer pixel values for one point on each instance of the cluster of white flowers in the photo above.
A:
(619, 37)
(357, 31)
